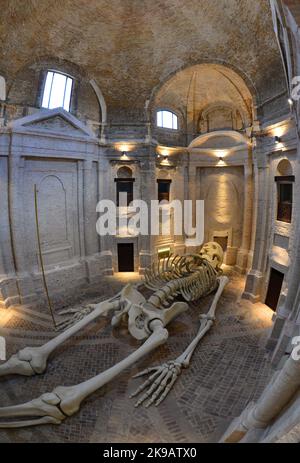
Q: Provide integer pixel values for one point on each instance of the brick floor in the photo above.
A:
(229, 369)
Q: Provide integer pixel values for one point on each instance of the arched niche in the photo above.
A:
(284, 168)
(52, 210)
(124, 172)
(220, 116)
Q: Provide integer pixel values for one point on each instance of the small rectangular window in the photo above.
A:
(57, 91)
(285, 200)
(164, 190)
(124, 186)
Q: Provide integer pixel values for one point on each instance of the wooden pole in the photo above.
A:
(40, 253)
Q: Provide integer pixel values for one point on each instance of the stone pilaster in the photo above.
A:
(255, 278)
(243, 253)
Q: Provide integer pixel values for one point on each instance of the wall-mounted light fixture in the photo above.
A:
(221, 155)
(277, 139)
(290, 101)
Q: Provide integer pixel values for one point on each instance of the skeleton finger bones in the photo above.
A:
(190, 276)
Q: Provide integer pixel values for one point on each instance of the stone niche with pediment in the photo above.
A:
(57, 156)
(220, 117)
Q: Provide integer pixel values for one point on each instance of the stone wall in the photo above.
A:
(55, 155)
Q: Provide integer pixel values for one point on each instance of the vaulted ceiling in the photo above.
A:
(131, 47)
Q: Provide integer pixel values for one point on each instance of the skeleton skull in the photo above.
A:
(213, 253)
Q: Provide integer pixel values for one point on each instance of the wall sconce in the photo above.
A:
(124, 155)
(290, 101)
(277, 139)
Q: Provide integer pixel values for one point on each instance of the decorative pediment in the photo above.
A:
(56, 121)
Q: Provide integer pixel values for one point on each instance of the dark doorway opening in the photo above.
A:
(222, 241)
(274, 290)
(164, 190)
(126, 257)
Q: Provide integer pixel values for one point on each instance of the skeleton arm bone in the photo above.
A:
(33, 360)
(164, 377)
(65, 401)
(206, 323)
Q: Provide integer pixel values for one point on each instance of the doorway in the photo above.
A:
(222, 241)
(274, 290)
(126, 257)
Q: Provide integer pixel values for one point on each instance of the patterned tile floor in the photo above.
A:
(229, 369)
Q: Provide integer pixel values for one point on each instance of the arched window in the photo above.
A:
(57, 91)
(167, 120)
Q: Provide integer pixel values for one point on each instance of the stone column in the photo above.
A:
(105, 242)
(192, 196)
(272, 402)
(256, 275)
(93, 264)
(148, 192)
(179, 241)
(89, 232)
(243, 253)
(16, 165)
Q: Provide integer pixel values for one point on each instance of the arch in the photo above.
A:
(52, 202)
(220, 106)
(235, 139)
(150, 103)
(101, 100)
(124, 172)
(284, 168)
(33, 73)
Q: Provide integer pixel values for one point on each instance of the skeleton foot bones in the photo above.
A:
(163, 377)
(190, 277)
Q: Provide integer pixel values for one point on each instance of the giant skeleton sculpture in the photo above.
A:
(189, 276)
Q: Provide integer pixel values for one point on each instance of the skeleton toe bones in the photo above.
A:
(192, 277)
(145, 322)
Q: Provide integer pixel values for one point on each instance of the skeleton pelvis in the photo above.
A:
(141, 316)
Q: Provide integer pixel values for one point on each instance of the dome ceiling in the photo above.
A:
(201, 86)
(131, 47)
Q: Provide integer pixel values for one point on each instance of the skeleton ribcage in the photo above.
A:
(189, 276)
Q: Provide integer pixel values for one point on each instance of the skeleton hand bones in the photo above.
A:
(54, 407)
(145, 322)
(163, 377)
